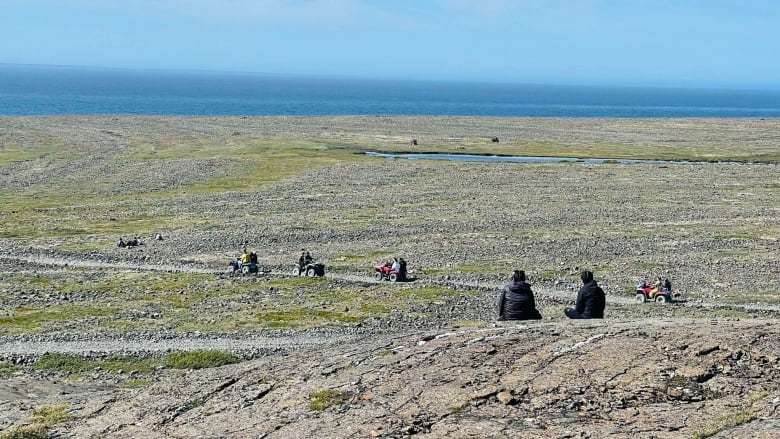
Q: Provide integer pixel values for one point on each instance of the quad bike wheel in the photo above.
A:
(393, 277)
(310, 272)
(245, 269)
(296, 271)
(378, 275)
(640, 298)
(661, 299)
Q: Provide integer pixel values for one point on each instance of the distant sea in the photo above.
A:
(37, 90)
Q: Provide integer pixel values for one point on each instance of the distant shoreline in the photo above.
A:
(698, 139)
(37, 90)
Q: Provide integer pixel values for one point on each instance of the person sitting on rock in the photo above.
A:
(590, 300)
(516, 301)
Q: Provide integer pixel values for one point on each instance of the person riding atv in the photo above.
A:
(659, 291)
(394, 270)
(246, 263)
(307, 266)
(305, 259)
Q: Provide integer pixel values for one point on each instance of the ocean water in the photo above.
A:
(35, 90)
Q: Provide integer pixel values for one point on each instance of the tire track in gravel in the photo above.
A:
(180, 268)
(13, 347)
(141, 344)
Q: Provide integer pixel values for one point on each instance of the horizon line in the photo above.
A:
(495, 82)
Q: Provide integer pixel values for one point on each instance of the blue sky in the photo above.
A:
(703, 43)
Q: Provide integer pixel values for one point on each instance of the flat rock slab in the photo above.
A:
(573, 379)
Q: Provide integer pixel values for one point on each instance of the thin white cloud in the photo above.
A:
(317, 14)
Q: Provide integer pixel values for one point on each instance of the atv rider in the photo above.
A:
(590, 300)
(305, 260)
(395, 266)
(402, 268)
(516, 301)
(655, 287)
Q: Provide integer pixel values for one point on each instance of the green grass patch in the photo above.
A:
(552, 274)
(738, 235)
(50, 415)
(199, 359)
(375, 308)
(430, 294)
(323, 399)
(32, 280)
(26, 320)
(350, 258)
(10, 153)
(7, 369)
(73, 210)
(68, 363)
(42, 419)
(480, 268)
(475, 268)
(300, 318)
(730, 420)
(274, 159)
(434, 271)
(147, 285)
(73, 364)
(643, 233)
(32, 431)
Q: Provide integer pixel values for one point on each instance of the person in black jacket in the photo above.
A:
(590, 300)
(516, 301)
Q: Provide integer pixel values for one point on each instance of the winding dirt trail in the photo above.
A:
(11, 346)
(180, 268)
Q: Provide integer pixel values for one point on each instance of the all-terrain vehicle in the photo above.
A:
(647, 293)
(386, 272)
(311, 269)
(244, 268)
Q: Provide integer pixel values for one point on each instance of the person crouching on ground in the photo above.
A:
(590, 300)
(516, 301)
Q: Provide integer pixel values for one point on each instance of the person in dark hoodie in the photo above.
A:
(516, 301)
(590, 300)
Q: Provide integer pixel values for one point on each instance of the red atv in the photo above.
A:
(647, 293)
(386, 272)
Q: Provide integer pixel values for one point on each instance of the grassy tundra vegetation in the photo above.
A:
(70, 186)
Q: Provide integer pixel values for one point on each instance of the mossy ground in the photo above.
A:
(84, 213)
(112, 302)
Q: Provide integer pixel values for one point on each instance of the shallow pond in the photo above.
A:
(522, 159)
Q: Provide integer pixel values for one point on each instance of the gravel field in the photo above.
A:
(424, 357)
(712, 228)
